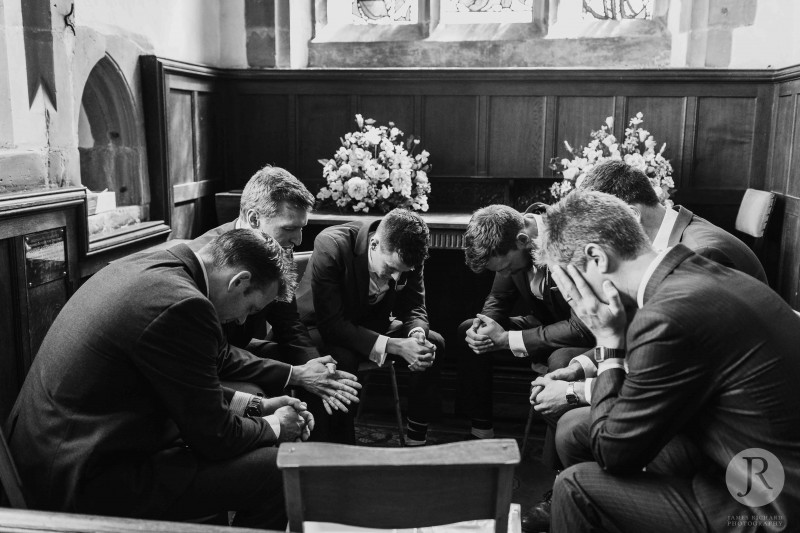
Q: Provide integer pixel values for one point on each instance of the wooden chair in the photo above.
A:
(398, 487)
(753, 216)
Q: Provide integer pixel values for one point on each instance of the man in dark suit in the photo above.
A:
(364, 292)
(501, 240)
(277, 204)
(563, 389)
(123, 412)
(705, 372)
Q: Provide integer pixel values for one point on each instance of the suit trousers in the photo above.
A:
(250, 484)
(586, 498)
(423, 387)
(476, 370)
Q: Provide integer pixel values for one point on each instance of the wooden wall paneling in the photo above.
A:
(399, 109)
(577, 117)
(782, 142)
(154, 98)
(322, 120)
(180, 137)
(665, 119)
(482, 151)
(262, 135)
(450, 130)
(516, 136)
(208, 137)
(686, 164)
(11, 372)
(793, 179)
(183, 221)
(789, 272)
(620, 116)
(551, 144)
(725, 142)
(763, 128)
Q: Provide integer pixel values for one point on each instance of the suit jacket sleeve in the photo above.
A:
(287, 329)
(410, 304)
(570, 333)
(500, 303)
(237, 364)
(177, 354)
(634, 416)
(327, 286)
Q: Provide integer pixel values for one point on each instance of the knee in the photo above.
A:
(568, 436)
(559, 359)
(437, 340)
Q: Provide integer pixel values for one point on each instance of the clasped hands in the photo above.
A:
(337, 388)
(416, 350)
(486, 335)
(295, 420)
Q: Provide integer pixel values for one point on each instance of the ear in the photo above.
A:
(240, 281)
(374, 242)
(252, 218)
(595, 254)
(524, 241)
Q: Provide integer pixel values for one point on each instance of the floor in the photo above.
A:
(376, 426)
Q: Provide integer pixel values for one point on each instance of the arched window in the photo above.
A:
(112, 154)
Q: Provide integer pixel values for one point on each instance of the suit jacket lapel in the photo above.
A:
(683, 220)
(185, 255)
(361, 260)
(674, 257)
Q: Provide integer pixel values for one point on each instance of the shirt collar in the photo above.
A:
(648, 274)
(205, 273)
(237, 224)
(661, 242)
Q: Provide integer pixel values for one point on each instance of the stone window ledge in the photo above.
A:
(607, 29)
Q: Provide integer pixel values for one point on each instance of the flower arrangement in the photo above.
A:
(637, 150)
(374, 169)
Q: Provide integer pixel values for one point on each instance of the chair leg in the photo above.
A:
(527, 432)
(397, 404)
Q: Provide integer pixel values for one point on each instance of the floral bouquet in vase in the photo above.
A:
(374, 169)
(638, 149)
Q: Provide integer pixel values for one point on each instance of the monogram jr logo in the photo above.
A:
(755, 477)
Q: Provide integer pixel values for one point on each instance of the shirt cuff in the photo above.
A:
(239, 403)
(588, 365)
(516, 345)
(587, 390)
(416, 329)
(378, 353)
(275, 424)
(608, 364)
(289, 379)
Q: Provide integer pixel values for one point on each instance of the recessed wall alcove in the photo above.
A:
(112, 153)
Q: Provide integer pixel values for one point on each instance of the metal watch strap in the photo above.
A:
(253, 408)
(601, 353)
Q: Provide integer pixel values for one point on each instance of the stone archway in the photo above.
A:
(112, 154)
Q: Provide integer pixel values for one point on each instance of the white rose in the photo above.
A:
(384, 192)
(570, 173)
(373, 136)
(356, 188)
(422, 176)
(345, 171)
(610, 122)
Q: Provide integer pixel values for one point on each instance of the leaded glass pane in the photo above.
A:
(618, 9)
(486, 11)
(385, 11)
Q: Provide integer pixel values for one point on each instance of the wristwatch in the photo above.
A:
(572, 398)
(253, 408)
(601, 353)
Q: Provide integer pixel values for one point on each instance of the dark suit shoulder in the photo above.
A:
(713, 242)
(205, 238)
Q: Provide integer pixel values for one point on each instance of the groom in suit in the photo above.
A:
(700, 386)
(363, 297)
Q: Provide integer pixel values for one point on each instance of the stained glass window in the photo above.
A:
(486, 11)
(385, 11)
(618, 9)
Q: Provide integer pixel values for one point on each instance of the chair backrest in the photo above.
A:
(9, 478)
(754, 212)
(398, 487)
